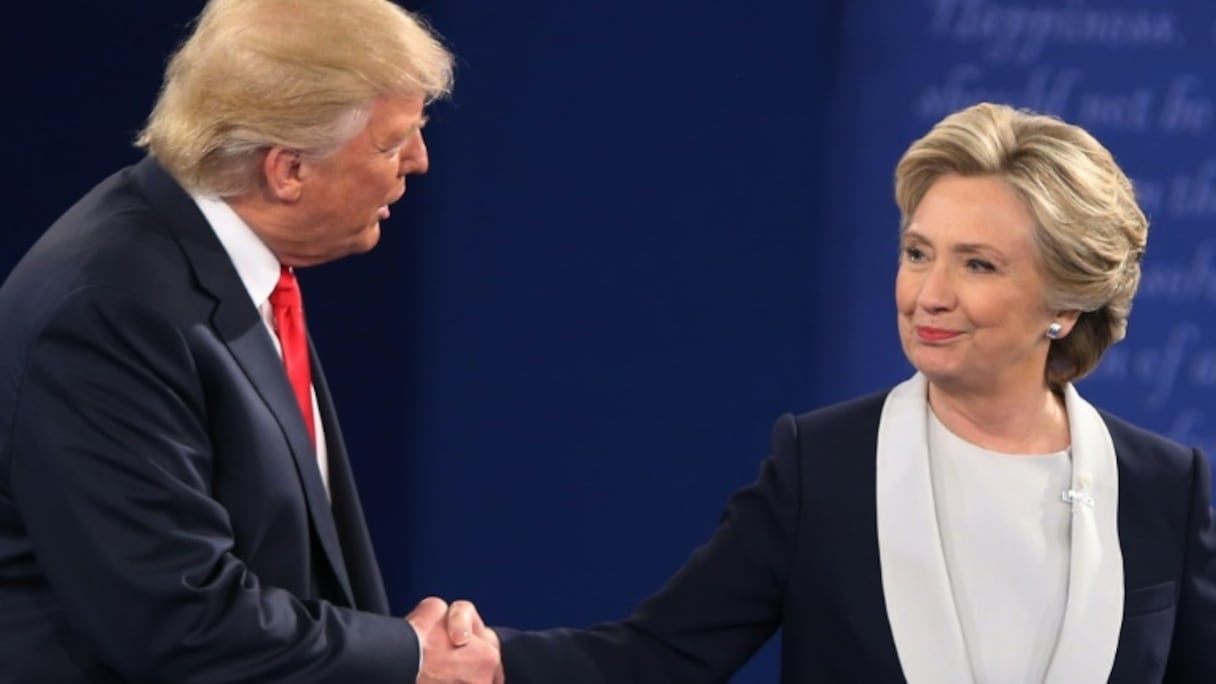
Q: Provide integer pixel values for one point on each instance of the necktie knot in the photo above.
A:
(286, 293)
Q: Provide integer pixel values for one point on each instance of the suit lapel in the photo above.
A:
(915, 580)
(365, 583)
(237, 323)
(915, 583)
(255, 354)
(1089, 635)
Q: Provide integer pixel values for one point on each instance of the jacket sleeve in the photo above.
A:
(709, 618)
(1193, 651)
(110, 469)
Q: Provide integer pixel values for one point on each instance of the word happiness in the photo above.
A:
(1018, 34)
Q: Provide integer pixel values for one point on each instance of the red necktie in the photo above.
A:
(289, 324)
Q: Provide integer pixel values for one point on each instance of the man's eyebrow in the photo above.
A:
(417, 126)
(398, 140)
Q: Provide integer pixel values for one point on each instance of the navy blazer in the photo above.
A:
(162, 516)
(798, 550)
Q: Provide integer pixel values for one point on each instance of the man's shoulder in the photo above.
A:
(109, 260)
(111, 239)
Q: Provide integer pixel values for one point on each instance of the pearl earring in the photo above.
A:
(1054, 330)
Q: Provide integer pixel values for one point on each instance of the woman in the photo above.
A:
(980, 522)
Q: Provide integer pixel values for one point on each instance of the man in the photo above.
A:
(176, 503)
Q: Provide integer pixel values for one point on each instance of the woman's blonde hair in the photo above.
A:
(1090, 234)
(298, 73)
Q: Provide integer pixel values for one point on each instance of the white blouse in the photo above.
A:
(1005, 535)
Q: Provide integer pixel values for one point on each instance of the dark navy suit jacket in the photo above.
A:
(798, 550)
(162, 516)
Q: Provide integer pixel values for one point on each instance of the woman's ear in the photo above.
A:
(1062, 324)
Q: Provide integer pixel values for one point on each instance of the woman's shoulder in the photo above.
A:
(866, 408)
(852, 418)
(1143, 453)
(1133, 436)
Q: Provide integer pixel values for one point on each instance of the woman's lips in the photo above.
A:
(935, 334)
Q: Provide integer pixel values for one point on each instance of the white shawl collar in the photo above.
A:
(920, 603)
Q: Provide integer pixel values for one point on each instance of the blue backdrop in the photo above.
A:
(650, 228)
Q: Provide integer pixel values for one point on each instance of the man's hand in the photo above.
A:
(457, 647)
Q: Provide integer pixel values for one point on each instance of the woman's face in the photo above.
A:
(969, 292)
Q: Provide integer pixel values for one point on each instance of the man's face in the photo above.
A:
(346, 194)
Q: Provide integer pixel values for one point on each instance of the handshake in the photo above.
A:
(456, 646)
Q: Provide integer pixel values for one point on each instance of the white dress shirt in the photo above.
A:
(258, 269)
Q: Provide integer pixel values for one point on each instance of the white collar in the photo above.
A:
(916, 586)
(257, 266)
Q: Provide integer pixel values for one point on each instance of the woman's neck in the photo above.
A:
(1027, 421)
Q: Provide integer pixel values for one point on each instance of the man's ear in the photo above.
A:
(283, 170)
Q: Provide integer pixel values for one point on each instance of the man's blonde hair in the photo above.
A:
(297, 73)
